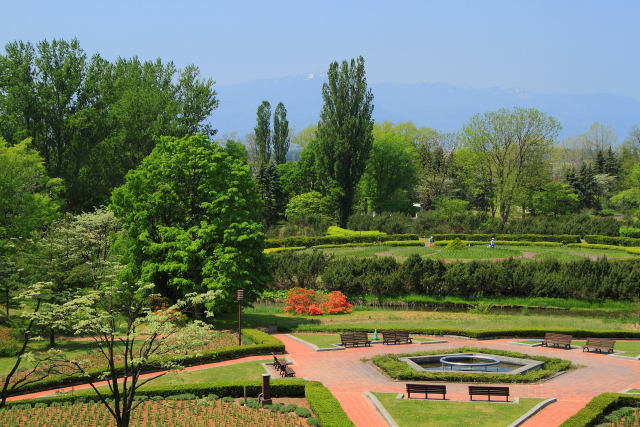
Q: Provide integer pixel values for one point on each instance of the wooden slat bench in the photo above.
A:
(287, 372)
(426, 389)
(354, 339)
(475, 390)
(396, 337)
(599, 345)
(557, 340)
(279, 364)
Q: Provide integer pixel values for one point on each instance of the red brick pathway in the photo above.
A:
(349, 378)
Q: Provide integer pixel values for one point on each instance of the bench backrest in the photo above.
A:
(550, 336)
(360, 336)
(601, 342)
(426, 388)
(494, 391)
(402, 334)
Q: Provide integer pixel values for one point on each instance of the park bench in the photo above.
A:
(426, 389)
(354, 339)
(287, 372)
(557, 340)
(599, 344)
(475, 390)
(279, 364)
(396, 337)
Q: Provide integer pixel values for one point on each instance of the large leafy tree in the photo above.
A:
(344, 136)
(192, 216)
(93, 120)
(506, 144)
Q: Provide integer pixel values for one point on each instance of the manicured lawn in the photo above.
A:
(321, 340)
(477, 252)
(237, 372)
(634, 390)
(407, 319)
(446, 413)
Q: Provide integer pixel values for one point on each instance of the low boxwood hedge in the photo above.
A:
(503, 243)
(609, 240)
(263, 343)
(473, 333)
(598, 407)
(325, 406)
(307, 242)
(561, 238)
(399, 370)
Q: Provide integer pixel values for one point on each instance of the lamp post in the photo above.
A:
(240, 298)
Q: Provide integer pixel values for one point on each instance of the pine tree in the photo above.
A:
(600, 165)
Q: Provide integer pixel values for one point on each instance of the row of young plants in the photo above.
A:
(595, 411)
(321, 401)
(263, 343)
(399, 370)
(384, 276)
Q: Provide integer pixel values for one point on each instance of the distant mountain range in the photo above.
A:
(439, 106)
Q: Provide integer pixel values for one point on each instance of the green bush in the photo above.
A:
(399, 370)
(303, 412)
(608, 240)
(456, 245)
(561, 238)
(325, 406)
(304, 241)
(9, 346)
(598, 407)
(334, 231)
(628, 231)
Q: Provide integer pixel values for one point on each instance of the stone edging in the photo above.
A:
(381, 409)
(628, 391)
(313, 346)
(532, 412)
(525, 344)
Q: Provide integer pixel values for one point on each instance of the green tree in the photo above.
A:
(507, 144)
(281, 138)
(270, 192)
(390, 174)
(437, 167)
(344, 135)
(555, 198)
(192, 216)
(307, 205)
(28, 202)
(262, 132)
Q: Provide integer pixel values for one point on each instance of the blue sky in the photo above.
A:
(543, 46)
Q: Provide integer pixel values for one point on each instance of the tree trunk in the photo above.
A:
(7, 300)
(52, 338)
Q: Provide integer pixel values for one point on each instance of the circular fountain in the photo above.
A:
(468, 362)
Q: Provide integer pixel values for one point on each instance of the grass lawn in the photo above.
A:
(530, 341)
(477, 252)
(321, 340)
(445, 413)
(237, 372)
(406, 319)
(634, 390)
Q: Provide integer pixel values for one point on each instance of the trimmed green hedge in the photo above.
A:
(399, 370)
(263, 343)
(505, 243)
(325, 240)
(477, 333)
(598, 407)
(629, 249)
(608, 240)
(325, 406)
(560, 238)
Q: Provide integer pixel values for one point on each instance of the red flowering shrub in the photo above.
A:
(176, 317)
(308, 301)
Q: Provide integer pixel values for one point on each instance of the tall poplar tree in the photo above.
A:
(263, 132)
(344, 135)
(280, 134)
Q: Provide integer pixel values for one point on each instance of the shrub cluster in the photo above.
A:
(429, 222)
(628, 231)
(598, 407)
(303, 241)
(308, 301)
(561, 238)
(583, 279)
(325, 406)
(608, 240)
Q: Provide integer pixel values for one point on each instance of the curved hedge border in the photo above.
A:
(561, 238)
(263, 344)
(324, 240)
(608, 240)
(399, 370)
(629, 249)
(325, 406)
(477, 333)
(598, 407)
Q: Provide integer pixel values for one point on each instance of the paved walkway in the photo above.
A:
(349, 378)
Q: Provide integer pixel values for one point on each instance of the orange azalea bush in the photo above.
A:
(308, 301)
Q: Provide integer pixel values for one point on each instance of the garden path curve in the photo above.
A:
(349, 378)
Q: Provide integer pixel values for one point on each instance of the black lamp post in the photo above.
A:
(240, 298)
